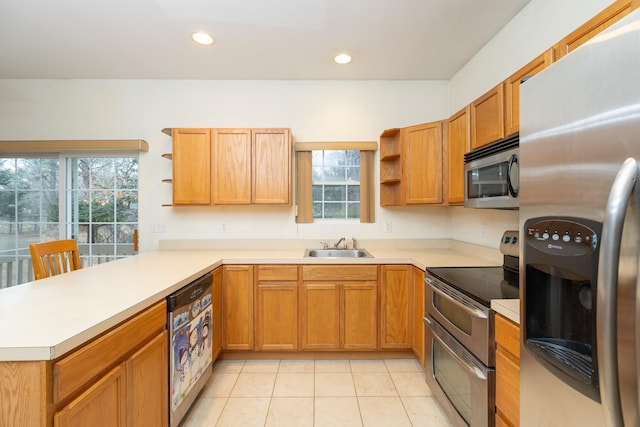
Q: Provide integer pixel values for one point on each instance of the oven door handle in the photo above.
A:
(473, 311)
(607, 290)
(473, 370)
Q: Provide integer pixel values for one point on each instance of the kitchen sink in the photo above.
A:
(337, 253)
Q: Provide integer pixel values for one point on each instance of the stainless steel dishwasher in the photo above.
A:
(189, 319)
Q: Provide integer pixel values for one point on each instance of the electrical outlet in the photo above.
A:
(387, 226)
(158, 227)
(223, 227)
(483, 230)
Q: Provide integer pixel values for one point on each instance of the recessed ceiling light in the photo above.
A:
(342, 58)
(203, 38)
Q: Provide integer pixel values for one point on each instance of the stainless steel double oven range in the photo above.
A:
(459, 334)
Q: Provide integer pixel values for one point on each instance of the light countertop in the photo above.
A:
(509, 308)
(45, 319)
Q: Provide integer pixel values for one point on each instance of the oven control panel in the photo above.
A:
(510, 243)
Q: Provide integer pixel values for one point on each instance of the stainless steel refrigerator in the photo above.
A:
(580, 233)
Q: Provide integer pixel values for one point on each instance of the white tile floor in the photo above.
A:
(298, 393)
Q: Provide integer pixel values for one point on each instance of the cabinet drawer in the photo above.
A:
(508, 335)
(78, 368)
(277, 272)
(508, 387)
(340, 272)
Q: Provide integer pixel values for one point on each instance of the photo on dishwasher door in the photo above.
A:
(190, 348)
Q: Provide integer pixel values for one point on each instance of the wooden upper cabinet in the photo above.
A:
(422, 164)
(603, 20)
(458, 142)
(391, 167)
(231, 166)
(487, 117)
(271, 166)
(191, 166)
(512, 90)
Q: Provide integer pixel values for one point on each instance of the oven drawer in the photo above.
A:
(467, 320)
(463, 385)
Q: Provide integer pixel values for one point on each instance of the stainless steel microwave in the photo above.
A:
(492, 175)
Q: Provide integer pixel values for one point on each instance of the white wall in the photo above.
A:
(314, 110)
(540, 25)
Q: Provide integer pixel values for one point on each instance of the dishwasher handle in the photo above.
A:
(190, 292)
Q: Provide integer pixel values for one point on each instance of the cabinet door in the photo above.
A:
(320, 316)
(147, 384)
(216, 305)
(359, 316)
(507, 370)
(231, 170)
(418, 313)
(191, 166)
(277, 316)
(396, 307)
(458, 143)
(271, 167)
(422, 171)
(237, 312)
(512, 90)
(103, 404)
(487, 117)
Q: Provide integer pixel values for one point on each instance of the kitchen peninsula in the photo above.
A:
(47, 327)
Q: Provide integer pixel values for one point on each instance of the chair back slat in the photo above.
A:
(55, 257)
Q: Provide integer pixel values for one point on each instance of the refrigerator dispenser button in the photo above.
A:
(566, 238)
(555, 236)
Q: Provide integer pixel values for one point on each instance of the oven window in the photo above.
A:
(453, 380)
(454, 314)
(488, 181)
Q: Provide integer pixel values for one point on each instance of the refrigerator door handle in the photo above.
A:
(607, 294)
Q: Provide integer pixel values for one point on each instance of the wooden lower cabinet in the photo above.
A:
(148, 384)
(237, 307)
(397, 305)
(507, 372)
(117, 379)
(337, 311)
(320, 316)
(360, 316)
(103, 404)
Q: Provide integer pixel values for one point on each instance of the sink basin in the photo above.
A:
(337, 253)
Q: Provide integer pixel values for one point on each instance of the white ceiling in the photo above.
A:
(256, 39)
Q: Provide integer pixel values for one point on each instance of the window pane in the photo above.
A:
(334, 193)
(353, 193)
(335, 158)
(28, 206)
(28, 174)
(127, 173)
(102, 206)
(127, 206)
(102, 173)
(353, 174)
(353, 157)
(50, 206)
(103, 233)
(334, 210)
(317, 210)
(316, 192)
(7, 174)
(50, 173)
(7, 206)
(353, 210)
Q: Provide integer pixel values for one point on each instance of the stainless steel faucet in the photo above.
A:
(342, 239)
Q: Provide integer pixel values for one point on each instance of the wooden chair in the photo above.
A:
(55, 257)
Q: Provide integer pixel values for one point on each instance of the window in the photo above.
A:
(97, 205)
(334, 181)
(336, 184)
